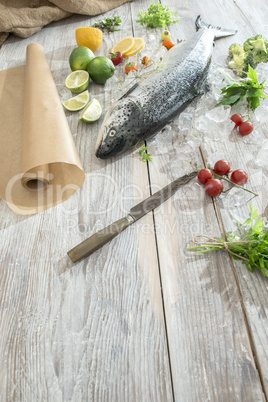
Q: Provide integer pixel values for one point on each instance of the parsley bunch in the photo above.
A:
(248, 88)
(157, 15)
(109, 23)
(248, 243)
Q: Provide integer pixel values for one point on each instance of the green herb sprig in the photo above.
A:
(248, 243)
(157, 15)
(110, 24)
(143, 152)
(248, 88)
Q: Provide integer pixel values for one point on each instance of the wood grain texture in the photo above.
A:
(94, 330)
(100, 330)
(210, 358)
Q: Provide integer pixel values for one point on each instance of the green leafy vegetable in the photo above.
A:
(157, 15)
(248, 243)
(248, 88)
(109, 23)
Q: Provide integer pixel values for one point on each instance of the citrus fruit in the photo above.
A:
(100, 69)
(139, 44)
(77, 81)
(88, 36)
(92, 112)
(80, 57)
(77, 102)
(124, 46)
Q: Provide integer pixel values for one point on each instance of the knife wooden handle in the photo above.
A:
(100, 238)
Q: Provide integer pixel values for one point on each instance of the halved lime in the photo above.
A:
(77, 102)
(77, 81)
(92, 112)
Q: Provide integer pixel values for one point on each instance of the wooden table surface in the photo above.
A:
(142, 319)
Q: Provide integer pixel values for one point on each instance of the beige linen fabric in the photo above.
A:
(25, 17)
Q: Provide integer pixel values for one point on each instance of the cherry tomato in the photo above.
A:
(117, 58)
(146, 60)
(130, 66)
(222, 167)
(168, 43)
(246, 128)
(239, 177)
(237, 119)
(213, 187)
(204, 175)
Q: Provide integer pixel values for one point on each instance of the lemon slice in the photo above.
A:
(77, 81)
(92, 112)
(124, 46)
(139, 44)
(77, 102)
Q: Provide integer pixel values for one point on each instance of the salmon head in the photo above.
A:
(120, 129)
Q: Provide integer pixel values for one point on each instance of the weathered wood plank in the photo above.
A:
(93, 331)
(210, 346)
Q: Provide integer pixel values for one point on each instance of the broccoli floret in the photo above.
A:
(258, 45)
(250, 60)
(241, 62)
(235, 49)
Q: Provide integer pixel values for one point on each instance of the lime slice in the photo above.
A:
(77, 81)
(78, 102)
(92, 112)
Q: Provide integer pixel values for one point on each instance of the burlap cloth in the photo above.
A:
(25, 17)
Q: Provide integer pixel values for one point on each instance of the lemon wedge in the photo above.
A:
(92, 112)
(124, 46)
(77, 81)
(139, 44)
(78, 102)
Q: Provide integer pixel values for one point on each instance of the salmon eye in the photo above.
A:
(112, 132)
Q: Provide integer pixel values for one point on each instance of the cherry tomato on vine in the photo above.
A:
(246, 128)
(213, 187)
(204, 175)
(222, 167)
(130, 66)
(239, 177)
(168, 43)
(146, 60)
(237, 119)
(117, 58)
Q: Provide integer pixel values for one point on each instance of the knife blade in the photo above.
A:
(103, 236)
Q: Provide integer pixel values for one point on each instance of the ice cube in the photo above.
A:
(219, 114)
(203, 124)
(262, 156)
(261, 114)
(184, 121)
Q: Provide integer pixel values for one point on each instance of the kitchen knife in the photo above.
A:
(102, 237)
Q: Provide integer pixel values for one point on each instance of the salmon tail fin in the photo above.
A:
(218, 31)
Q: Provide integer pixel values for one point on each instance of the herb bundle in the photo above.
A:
(110, 24)
(248, 243)
(157, 15)
(248, 88)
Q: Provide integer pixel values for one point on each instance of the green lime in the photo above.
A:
(77, 102)
(77, 81)
(92, 112)
(100, 69)
(80, 57)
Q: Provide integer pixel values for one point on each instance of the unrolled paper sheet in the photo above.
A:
(39, 164)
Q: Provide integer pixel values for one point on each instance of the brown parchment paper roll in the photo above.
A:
(39, 164)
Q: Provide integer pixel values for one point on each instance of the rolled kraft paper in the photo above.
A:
(36, 178)
(39, 164)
